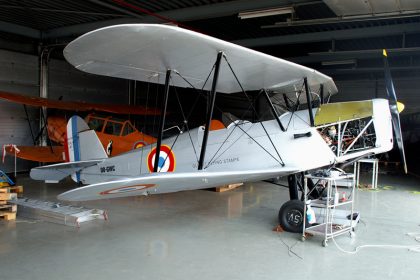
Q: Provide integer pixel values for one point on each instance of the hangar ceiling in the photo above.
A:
(341, 38)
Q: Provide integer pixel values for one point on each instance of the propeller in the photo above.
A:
(395, 107)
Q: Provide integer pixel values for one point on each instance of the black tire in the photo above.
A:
(291, 216)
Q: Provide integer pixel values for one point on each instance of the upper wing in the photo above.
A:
(77, 106)
(155, 183)
(40, 154)
(144, 51)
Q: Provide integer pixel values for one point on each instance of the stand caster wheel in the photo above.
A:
(303, 238)
(324, 243)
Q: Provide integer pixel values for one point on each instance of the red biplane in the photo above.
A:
(116, 135)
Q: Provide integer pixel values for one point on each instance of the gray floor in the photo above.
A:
(208, 235)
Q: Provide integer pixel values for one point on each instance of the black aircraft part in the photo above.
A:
(392, 99)
(300, 135)
(293, 186)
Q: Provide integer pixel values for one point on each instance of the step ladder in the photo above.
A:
(58, 213)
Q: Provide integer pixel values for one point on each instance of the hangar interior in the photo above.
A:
(199, 233)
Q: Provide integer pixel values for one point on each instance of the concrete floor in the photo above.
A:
(208, 235)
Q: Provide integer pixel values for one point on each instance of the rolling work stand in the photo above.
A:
(334, 211)
(375, 170)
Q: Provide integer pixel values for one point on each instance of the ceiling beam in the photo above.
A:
(18, 46)
(359, 54)
(79, 29)
(369, 70)
(185, 14)
(115, 8)
(19, 30)
(355, 33)
(223, 9)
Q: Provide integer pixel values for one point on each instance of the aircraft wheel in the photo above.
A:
(291, 216)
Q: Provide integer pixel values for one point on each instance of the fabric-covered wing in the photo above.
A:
(145, 51)
(168, 182)
(59, 171)
(40, 154)
(77, 106)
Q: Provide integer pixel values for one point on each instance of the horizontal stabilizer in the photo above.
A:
(169, 182)
(59, 171)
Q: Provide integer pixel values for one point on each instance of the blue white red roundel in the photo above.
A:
(139, 144)
(166, 161)
(127, 189)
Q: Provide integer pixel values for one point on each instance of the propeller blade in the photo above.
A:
(393, 107)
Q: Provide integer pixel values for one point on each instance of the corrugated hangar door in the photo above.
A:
(19, 74)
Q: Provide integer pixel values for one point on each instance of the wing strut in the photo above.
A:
(210, 112)
(309, 101)
(162, 120)
(273, 110)
(286, 101)
(321, 93)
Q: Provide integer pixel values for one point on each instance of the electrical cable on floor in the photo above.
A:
(384, 246)
(289, 248)
(411, 248)
(416, 235)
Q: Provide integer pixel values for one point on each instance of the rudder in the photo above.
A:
(82, 143)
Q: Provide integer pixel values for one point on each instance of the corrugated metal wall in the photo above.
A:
(407, 89)
(19, 74)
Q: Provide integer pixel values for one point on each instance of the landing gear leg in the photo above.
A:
(293, 186)
(291, 213)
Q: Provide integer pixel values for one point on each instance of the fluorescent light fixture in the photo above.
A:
(266, 12)
(338, 62)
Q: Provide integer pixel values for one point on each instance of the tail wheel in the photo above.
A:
(291, 216)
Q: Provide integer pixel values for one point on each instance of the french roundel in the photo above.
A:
(166, 161)
(139, 144)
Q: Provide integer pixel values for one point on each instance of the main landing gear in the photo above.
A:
(291, 213)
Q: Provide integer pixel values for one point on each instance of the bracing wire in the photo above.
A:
(253, 108)
(235, 125)
(186, 124)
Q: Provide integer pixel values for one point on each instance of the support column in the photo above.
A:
(43, 90)
(309, 101)
(210, 110)
(162, 120)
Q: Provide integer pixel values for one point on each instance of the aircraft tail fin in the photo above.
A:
(82, 143)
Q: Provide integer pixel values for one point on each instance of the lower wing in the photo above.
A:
(169, 182)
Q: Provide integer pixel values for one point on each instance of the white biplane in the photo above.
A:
(291, 143)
